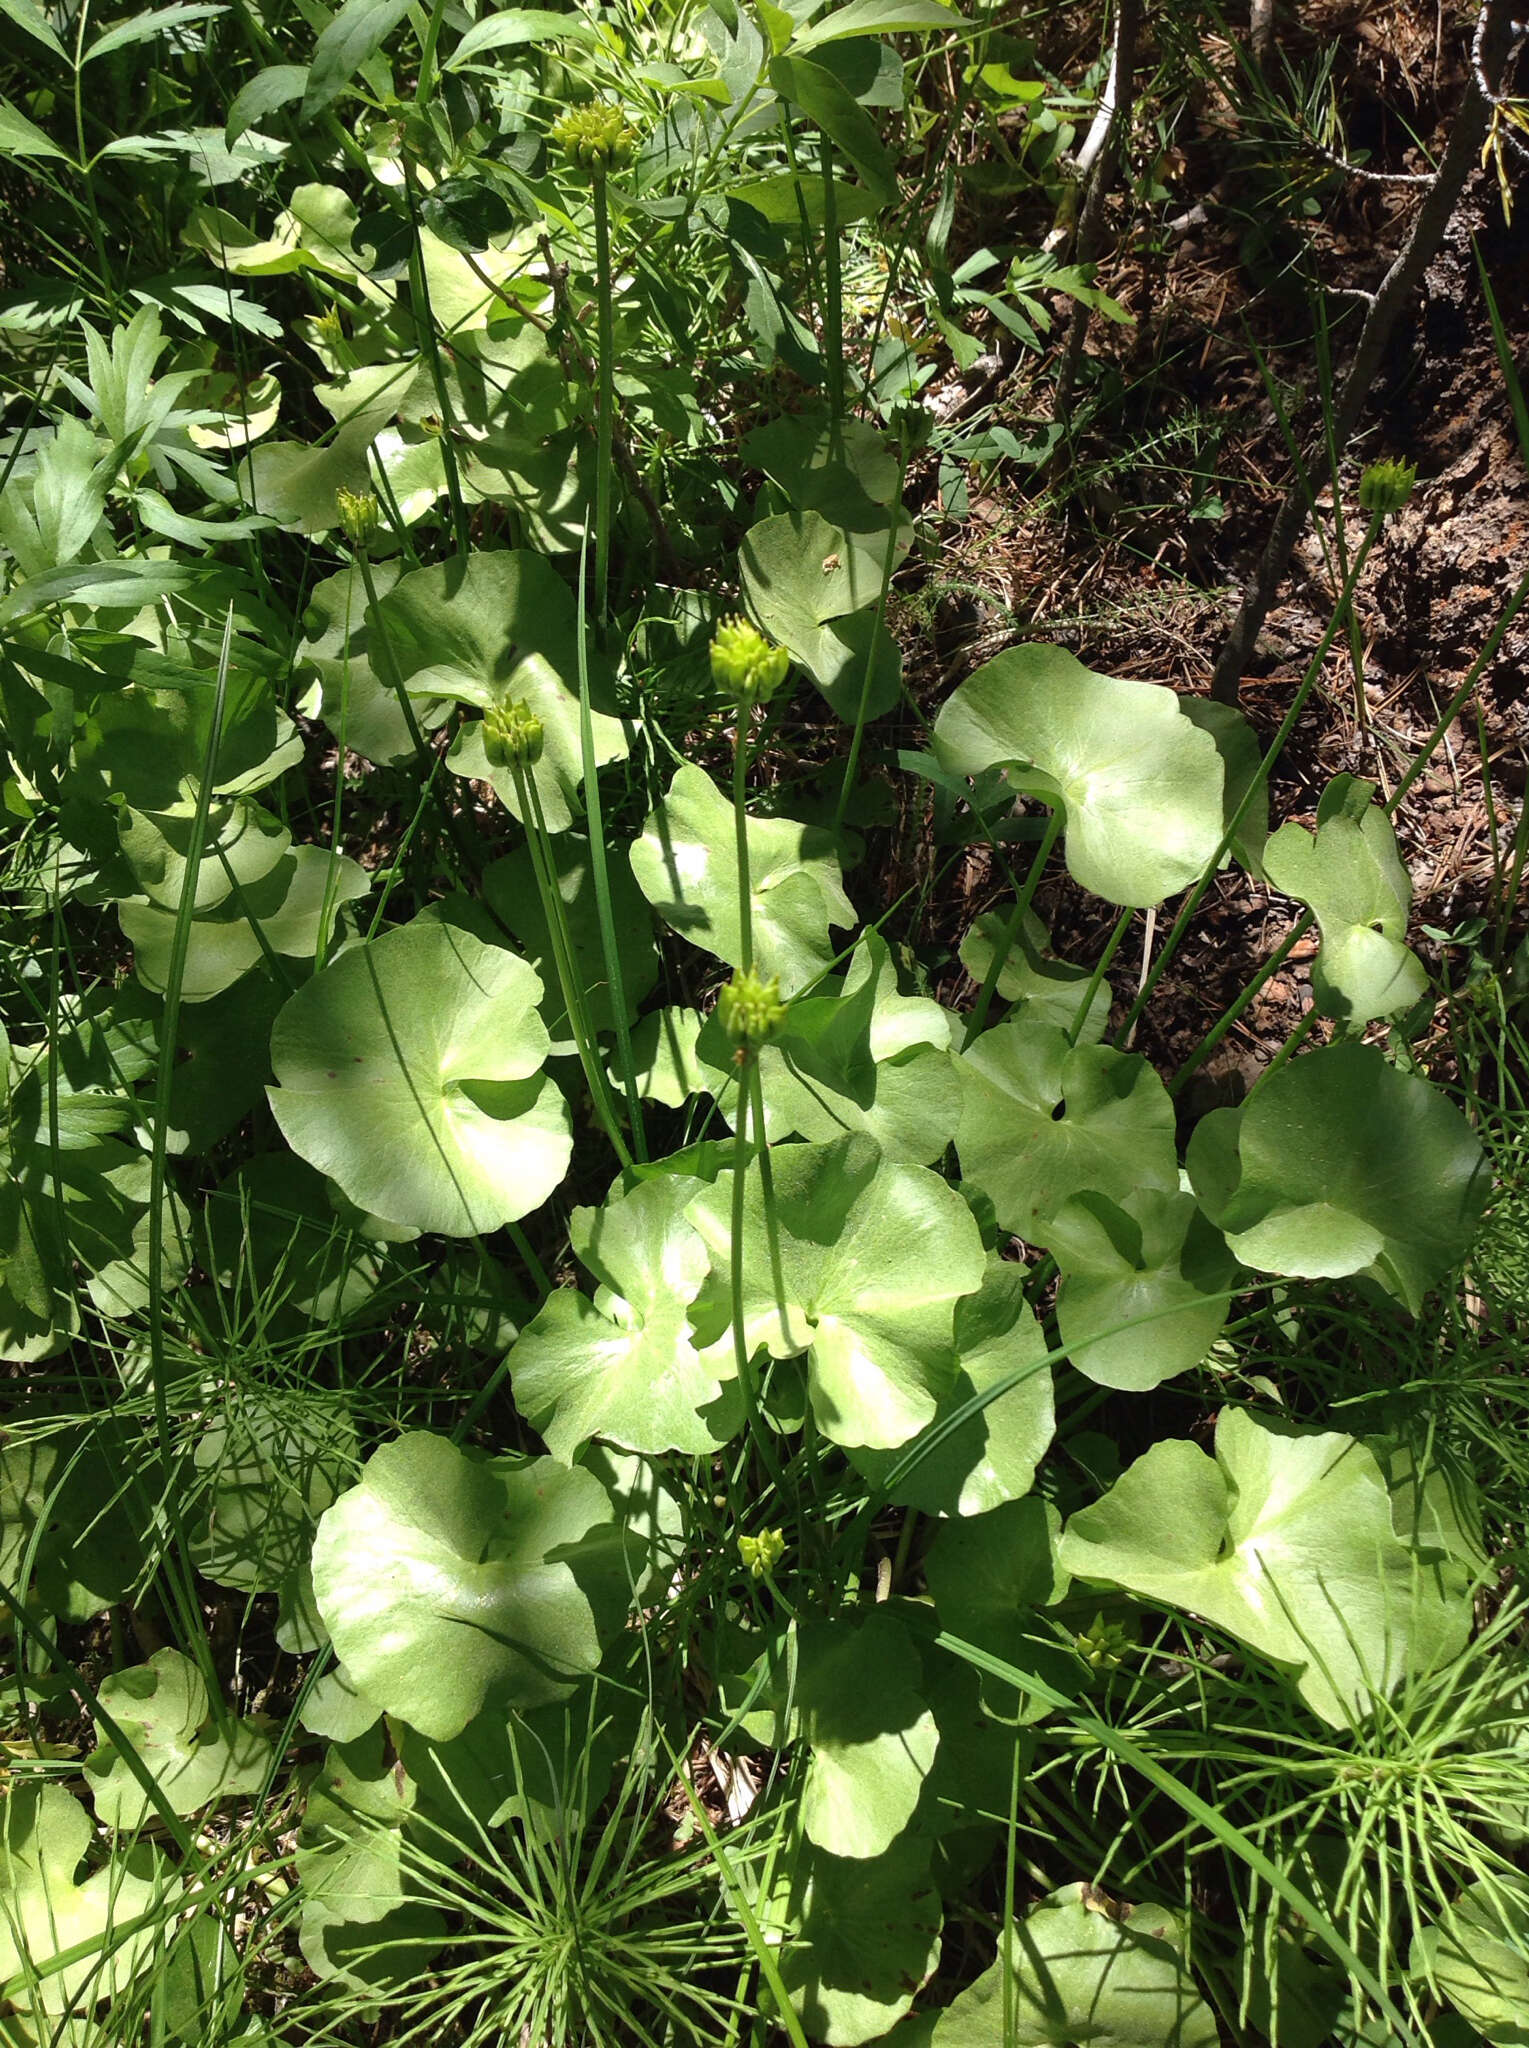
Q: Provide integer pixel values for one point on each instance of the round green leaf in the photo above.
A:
(410, 1072)
(1288, 1540)
(686, 864)
(856, 1056)
(991, 1457)
(496, 625)
(509, 888)
(988, 1576)
(1082, 1969)
(874, 1257)
(873, 1739)
(352, 696)
(283, 912)
(864, 1935)
(1149, 1262)
(443, 1578)
(45, 1913)
(1339, 1164)
(1046, 988)
(623, 1366)
(811, 585)
(1478, 1956)
(1141, 784)
(1353, 877)
(1043, 1120)
(163, 1710)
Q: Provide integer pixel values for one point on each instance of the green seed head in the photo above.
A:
(762, 1553)
(596, 138)
(360, 518)
(744, 664)
(1386, 486)
(1103, 1646)
(751, 1010)
(329, 328)
(512, 733)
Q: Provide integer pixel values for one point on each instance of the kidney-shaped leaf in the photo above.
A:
(864, 1936)
(1151, 1263)
(623, 1366)
(991, 1457)
(810, 584)
(1478, 1956)
(1289, 1542)
(1339, 1164)
(1141, 784)
(686, 864)
(47, 1912)
(1353, 877)
(873, 1258)
(1083, 1969)
(163, 1709)
(500, 624)
(873, 1739)
(1043, 1120)
(856, 1056)
(443, 1578)
(410, 1072)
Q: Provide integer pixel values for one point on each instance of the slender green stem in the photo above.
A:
(545, 870)
(426, 82)
(1101, 969)
(605, 425)
(599, 870)
(741, 829)
(741, 1355)
(1229, 1016)
(755, 1085)
(833, 297)
(1259, 780)
(1012, 930)
(888, 564)
(424, 321)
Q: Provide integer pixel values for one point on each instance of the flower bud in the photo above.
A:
(1103, 1646)
(744, 664)
(750, 1010)
(596, 138)
(762, 1553)
(1386, 486)
(360, 518)
(512, 733)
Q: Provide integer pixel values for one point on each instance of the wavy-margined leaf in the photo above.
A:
(1149, 1262)
(856, 1057)
(69, 1543)
(359, 1924)
(1043, 1120)
(623, 1366)
(444, 1579)
(297, 483)
(810, 584)
(509, 888)
(410, 1072)
(1339, 1164)
(495, 625)
(286, 912)
(1081, 1968)
(268, 1470)
(989, 1576)
(858, 1937)
(1352, 875)
(1477, 1954)
(874, 1257)
(163, 1710)
(1141, 784)
(352, 695)
(686, 864)
(151, 743)
(1289, 1541)
(873, 1739)
(47, 1912)
(991, 1458)
(1042, 987)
